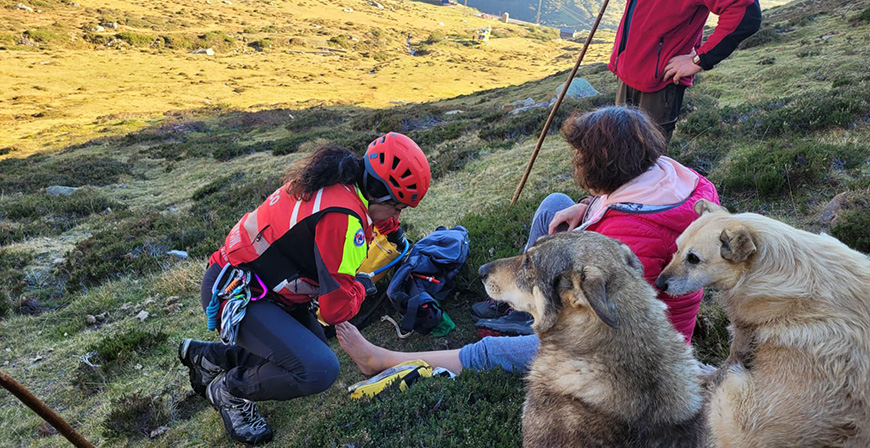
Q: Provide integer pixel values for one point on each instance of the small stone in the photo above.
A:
(90, 320)
(36, 359)
(102, 317)
(347, 9)
(453, 112)
(205, 51)
(60, 190)
(157, 432)
(24, 7)
(8, 350)
(149, 301)
(178, 253)
(98, 29)
(228, 2)
(138, 367)
(126, 306)
(65, 334)
(142, 315)
(5, 363)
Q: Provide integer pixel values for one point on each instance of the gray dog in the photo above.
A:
(611, 370)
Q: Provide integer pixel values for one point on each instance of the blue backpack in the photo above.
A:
(425, 278)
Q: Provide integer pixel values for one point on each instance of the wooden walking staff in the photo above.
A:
(558, 103)
(44, 411)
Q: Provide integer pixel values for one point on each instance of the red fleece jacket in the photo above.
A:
(654, 31)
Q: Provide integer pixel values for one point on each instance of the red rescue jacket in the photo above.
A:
(321, 241)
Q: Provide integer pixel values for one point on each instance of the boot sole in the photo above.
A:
(484, 332)
(192, 372)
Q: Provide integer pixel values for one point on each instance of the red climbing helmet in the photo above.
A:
(400, 165)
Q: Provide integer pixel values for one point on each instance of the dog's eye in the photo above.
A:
(692, 258)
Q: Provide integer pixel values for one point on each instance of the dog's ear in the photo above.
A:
(589, 287)
(737, 244)
(704, 206)
(631, 259)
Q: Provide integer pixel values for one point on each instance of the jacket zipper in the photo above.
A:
(625, 28)
(658, 56)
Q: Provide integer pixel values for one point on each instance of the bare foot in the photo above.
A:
(370, 358)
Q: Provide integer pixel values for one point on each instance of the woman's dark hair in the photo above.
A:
(612, 146)
(328, 165)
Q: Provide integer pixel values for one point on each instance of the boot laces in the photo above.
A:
(251, 415)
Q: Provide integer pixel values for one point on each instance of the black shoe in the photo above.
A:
(201, 371)
(488, 309)
(241, 417)
(515, 323)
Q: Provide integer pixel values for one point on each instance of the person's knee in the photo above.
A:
(318, 375)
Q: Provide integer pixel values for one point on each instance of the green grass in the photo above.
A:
(779, 138)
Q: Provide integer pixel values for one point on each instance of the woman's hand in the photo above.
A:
(571, 216)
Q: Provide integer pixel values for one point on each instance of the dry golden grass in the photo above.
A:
(62, 94)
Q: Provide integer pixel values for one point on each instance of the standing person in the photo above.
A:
(642, 199)
(305, 243)
(658, 50)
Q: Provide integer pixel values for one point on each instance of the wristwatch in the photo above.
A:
(697, 59)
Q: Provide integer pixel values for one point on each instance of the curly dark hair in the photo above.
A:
(328, 165)
(612, 146)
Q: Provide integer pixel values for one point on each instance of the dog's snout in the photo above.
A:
(662, 283)
(484, 270)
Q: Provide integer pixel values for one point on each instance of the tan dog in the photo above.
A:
(799, 370)
(611, 370)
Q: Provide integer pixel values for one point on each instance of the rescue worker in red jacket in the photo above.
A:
(658, 50)
(305, 244)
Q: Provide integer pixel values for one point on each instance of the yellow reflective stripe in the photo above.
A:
(353, 254)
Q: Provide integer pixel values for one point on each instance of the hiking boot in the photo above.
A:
(488, 309)
(241, 417)
(201, 371)
(515, 323)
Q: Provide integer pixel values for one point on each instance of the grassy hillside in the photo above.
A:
(781, 127)
(76, 70)
(580, 14)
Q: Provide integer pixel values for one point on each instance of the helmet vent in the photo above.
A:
(394, 182)
(405, 174)
(412, 187)
(396, 162)
(381, 158)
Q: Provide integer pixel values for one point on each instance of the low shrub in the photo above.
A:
(315, 117)
(706, 121)
(852, 223)
(111, 355)
(798, 115)
(778, 167)
(44, 35)
(434, 412)
(863, 16)
(217, 40)
(136, 39)
(36, 173)
(133, 244)
(764, 36)
(12, 278)
(136, 416)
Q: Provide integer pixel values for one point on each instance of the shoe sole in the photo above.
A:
(484, 332)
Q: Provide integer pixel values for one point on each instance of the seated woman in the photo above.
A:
(641, 198)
